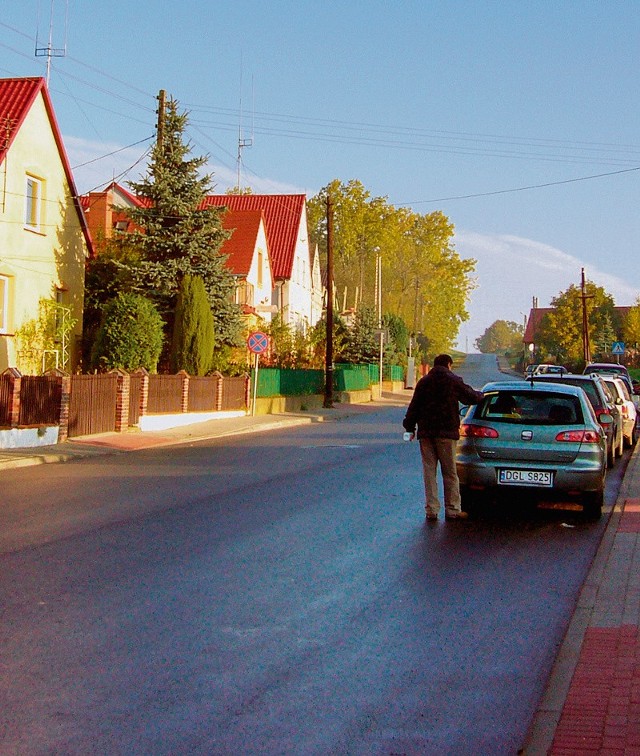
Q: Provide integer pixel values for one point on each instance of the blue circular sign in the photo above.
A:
(258, 342)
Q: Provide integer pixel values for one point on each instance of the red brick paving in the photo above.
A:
(602, 710)
(630, 520)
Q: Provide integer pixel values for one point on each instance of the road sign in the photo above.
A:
(618, 347)
(258, 342)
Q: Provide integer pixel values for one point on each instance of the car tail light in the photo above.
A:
(625, 410)
(477, 431)
(579, 436)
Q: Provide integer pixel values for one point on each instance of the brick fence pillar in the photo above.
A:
(219, 389)
(15, 382)
(65, 395)
(184, 404)
(144, 391)
(122, 400)
(247, 391)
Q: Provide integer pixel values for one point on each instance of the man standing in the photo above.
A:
(434, 409)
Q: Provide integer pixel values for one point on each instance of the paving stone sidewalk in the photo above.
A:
(592, 701)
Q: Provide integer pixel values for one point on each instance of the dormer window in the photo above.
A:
(33, 203)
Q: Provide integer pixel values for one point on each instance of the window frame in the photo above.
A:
(4, 304)
(33, 202)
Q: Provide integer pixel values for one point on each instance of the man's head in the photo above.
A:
(443, 360)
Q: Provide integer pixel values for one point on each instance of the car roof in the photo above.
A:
(520, 386)
(572, 376)
(613, 366)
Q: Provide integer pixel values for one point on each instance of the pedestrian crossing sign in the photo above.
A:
(618, 347)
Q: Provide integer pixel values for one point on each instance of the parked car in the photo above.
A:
(551, 444)
(529, 370)
(605, 367)
(620, 392)
(544, 369)
(602, 402)
(619, 371)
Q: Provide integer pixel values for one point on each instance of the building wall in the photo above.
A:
(263, 284)
(297, 300)
(48, 261)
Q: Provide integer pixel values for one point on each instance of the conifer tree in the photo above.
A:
(179, 235)
(193, 330)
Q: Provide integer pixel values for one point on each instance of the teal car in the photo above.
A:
(541, 440)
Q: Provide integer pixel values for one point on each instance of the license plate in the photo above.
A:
(541, 478)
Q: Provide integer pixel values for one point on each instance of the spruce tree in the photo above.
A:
(193, 330)
(179, 236)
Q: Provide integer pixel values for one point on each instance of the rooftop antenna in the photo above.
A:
(242, 142)
(50, 51)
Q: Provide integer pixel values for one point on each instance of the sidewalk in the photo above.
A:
(592, 701)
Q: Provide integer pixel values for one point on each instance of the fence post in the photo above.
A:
(64, 381)
(247, 390)
(184, 403)
(15, 378)
(219, 389)
(122, 400)
(144, 391)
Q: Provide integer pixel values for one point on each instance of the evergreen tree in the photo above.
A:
(362, 345)
(193, 329)
(130, 335)
(178, 233)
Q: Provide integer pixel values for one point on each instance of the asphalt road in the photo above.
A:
(275, 594)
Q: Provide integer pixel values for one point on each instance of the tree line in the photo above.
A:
(559, 335)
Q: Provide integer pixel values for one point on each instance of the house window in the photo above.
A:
(4, 304)
(260, 264)
(33, 203)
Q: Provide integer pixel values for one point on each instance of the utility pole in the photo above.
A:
(586, 349)
(160, 129)
(328, 373)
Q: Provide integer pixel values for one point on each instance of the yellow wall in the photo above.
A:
(38, 261)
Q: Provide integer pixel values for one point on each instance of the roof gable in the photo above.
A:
(282, 216)
(241, 245)
(17, 96)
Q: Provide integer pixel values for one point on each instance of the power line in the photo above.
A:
(520, 188)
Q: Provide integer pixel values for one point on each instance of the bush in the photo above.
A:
(193, 329)
(130, 336)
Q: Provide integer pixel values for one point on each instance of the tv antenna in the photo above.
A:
(242, 142)
(49, 51)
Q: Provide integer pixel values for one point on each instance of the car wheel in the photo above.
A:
(592, 502)
(611, 454)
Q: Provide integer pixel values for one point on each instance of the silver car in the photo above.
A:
(540, 438)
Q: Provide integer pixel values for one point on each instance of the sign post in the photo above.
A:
(257, 343)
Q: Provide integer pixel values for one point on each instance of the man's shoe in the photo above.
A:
(457, 516)
(431, 516)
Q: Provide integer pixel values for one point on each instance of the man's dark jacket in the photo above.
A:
(434, 406)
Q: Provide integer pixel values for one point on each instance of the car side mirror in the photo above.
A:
(604, 418)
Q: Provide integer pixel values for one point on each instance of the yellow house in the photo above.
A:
(44, 240)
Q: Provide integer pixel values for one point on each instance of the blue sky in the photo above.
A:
(424, 103)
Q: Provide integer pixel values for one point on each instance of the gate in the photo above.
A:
(92, 404)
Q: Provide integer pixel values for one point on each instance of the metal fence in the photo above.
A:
(234, 393)
(92, 404)
(5, 399)
(40, 397)
(203, 393)
(165, 394)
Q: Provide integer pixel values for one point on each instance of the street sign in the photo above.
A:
(258, 342)
(618, 347)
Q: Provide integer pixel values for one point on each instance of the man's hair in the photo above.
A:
(443, 359)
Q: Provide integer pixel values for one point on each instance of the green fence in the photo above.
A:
(346, 377)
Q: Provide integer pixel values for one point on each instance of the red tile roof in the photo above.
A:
(282, 214)
(17, 96)
(241, 244)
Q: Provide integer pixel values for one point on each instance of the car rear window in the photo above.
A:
(539, 408)
(588, 386)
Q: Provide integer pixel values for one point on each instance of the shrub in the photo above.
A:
(130, 336)
(193, 329)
